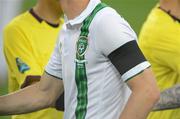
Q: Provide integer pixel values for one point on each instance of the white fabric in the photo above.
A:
(107, 92)
(135, 70)
(55, 63)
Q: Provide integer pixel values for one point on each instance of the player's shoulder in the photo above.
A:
(158, 16)
(108, 20)
(160, 20)
(22, 21)
(158, 13)
(18, 22)
(106, 14)
(109, 17)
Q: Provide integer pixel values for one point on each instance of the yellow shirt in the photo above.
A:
(160, 42)
(28, 44)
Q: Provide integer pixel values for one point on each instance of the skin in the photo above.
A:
(48, 89)
(73, 8)
(144, 95)
(171, 5)
(33, 98)
(169, 99)
(49, 10)
(144, 89)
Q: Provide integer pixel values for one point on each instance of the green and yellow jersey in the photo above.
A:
(160, 42)
(28, 44)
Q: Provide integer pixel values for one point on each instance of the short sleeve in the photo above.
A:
(54, 66)
(19, 55)
(116, 40)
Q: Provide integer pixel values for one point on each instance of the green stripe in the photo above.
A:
(82, 91)
(88, 20)
(80, 73)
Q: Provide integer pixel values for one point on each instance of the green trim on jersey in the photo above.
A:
(88, 20)
(80, 72)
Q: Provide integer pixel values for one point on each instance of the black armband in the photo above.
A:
(126, 57)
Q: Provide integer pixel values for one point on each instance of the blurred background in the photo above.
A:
(134, 11)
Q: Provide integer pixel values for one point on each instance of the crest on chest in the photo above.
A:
(82, 46)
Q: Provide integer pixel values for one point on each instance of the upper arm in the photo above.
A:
(117, 41)
(53, 87)
(19, 54)
(145, 80)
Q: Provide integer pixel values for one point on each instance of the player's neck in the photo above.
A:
(48, 12)
(172, 6)
(73, 8)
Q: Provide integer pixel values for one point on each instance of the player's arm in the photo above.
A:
(29, 80)
(124, 53)
(135, 71)
(35, 97)
(54, 69)
(144, 95)
(30, 71)
(169, 99)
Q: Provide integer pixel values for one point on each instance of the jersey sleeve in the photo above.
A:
(54, 66)
(116, 40)
(19, 54)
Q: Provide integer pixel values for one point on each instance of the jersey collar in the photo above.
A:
(79, 19)
(40, 20)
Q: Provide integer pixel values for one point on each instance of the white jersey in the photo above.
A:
(106, 92)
